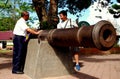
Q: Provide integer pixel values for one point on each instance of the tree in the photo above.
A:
(118, 1)
(44, 10)
(115, 10)
(10, 11)
(47, 11)
(74, 6)
(6, 23)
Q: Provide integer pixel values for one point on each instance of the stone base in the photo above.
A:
(44, 61)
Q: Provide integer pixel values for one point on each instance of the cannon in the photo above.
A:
(102, 36)
(53, 48)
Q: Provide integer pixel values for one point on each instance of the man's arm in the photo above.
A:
(33, 31)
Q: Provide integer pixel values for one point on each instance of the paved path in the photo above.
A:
(93, 67)
(6, 66)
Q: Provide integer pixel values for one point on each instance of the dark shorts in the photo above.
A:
(75, 49)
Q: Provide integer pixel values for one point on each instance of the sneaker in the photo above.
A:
(77, 67)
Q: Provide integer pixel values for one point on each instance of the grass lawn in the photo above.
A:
(5, 51)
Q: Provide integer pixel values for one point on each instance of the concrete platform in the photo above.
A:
(44, 60)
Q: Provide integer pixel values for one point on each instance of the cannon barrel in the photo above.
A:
(102, 35)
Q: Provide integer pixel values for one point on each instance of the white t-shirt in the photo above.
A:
(67, 24)
(20, 27)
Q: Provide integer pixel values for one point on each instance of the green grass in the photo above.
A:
(5, 51)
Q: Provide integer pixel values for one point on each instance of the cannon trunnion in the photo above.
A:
(102, 35)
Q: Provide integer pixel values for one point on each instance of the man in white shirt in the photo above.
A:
(20, 45)
(67, 23)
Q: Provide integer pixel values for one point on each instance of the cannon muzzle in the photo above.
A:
(102, 35)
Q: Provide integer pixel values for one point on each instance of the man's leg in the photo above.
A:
(76, 57)
(17, 54)
(24, 55)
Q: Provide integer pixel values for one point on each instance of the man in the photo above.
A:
(20, 44)
(67, 23)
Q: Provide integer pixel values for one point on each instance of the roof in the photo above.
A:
(6, 35)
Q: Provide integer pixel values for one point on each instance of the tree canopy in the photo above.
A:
(115, 10)
(74, 6)
(10, 11)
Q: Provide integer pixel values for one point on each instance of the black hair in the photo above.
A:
(24, 13)
(63, 12)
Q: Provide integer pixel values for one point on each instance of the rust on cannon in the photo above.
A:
(102, 35)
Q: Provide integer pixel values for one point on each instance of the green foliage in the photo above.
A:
(10, 10)
(6, 23)
(115, 10)
(111, 11)
(74, 6)
(115, 6)
(23, 6)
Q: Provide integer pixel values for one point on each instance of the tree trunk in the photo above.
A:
(53, 11)
(40, 10)
(48, 20)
